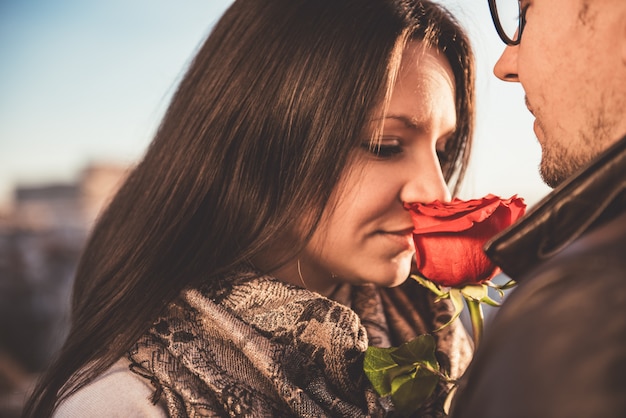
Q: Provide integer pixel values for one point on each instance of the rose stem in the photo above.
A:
(477, 318)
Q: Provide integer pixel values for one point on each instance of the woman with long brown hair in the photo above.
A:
(261, 244)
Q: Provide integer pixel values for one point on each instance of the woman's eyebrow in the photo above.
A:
(413, 123)
(407, 121)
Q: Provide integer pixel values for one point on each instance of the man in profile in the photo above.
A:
(557, 347)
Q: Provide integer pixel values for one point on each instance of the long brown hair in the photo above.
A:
(260, 127)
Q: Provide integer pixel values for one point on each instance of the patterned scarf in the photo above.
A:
(251, 346)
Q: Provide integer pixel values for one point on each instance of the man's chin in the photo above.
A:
(554, 171)
(549, 179)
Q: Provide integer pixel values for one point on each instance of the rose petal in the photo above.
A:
(449, 237)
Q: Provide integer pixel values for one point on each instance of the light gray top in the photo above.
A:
(118, 392)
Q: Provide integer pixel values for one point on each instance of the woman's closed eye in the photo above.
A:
(385, 148)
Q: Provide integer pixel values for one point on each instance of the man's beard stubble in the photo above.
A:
(558, 163)
(561, 159)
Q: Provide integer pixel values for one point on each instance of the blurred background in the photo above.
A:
(83, 85)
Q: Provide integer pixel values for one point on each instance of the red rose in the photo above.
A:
(449, 237)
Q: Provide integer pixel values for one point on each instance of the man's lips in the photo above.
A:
(536, 124)
(528, 106)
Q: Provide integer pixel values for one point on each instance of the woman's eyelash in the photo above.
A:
(382, 150)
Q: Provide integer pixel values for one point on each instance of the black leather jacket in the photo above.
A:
(593, 197)
(557, 347)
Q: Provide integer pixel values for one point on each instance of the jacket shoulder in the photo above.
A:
(556, 346)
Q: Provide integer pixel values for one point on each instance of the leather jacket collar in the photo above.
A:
(593, 196)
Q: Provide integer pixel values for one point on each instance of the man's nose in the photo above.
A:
(506, 67)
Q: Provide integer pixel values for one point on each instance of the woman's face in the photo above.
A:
(365, 233)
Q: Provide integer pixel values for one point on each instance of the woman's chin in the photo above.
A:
(397, 277)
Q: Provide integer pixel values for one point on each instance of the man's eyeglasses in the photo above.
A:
(509, 19)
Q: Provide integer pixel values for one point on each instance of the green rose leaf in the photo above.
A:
(420, 350)
(378, 365)
(410, 391)
(409, 373)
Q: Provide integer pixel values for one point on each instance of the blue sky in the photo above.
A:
(88, 80)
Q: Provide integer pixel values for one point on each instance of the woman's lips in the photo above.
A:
(402, 238)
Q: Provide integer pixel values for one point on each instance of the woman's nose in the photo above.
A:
(426, 184)
(506, 67)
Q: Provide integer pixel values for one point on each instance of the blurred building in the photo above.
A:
(41, 238)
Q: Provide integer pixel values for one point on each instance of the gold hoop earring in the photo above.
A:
(300, 274)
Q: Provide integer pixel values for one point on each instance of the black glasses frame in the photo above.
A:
(493, 8)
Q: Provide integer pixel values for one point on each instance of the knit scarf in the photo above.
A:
(253, 346)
